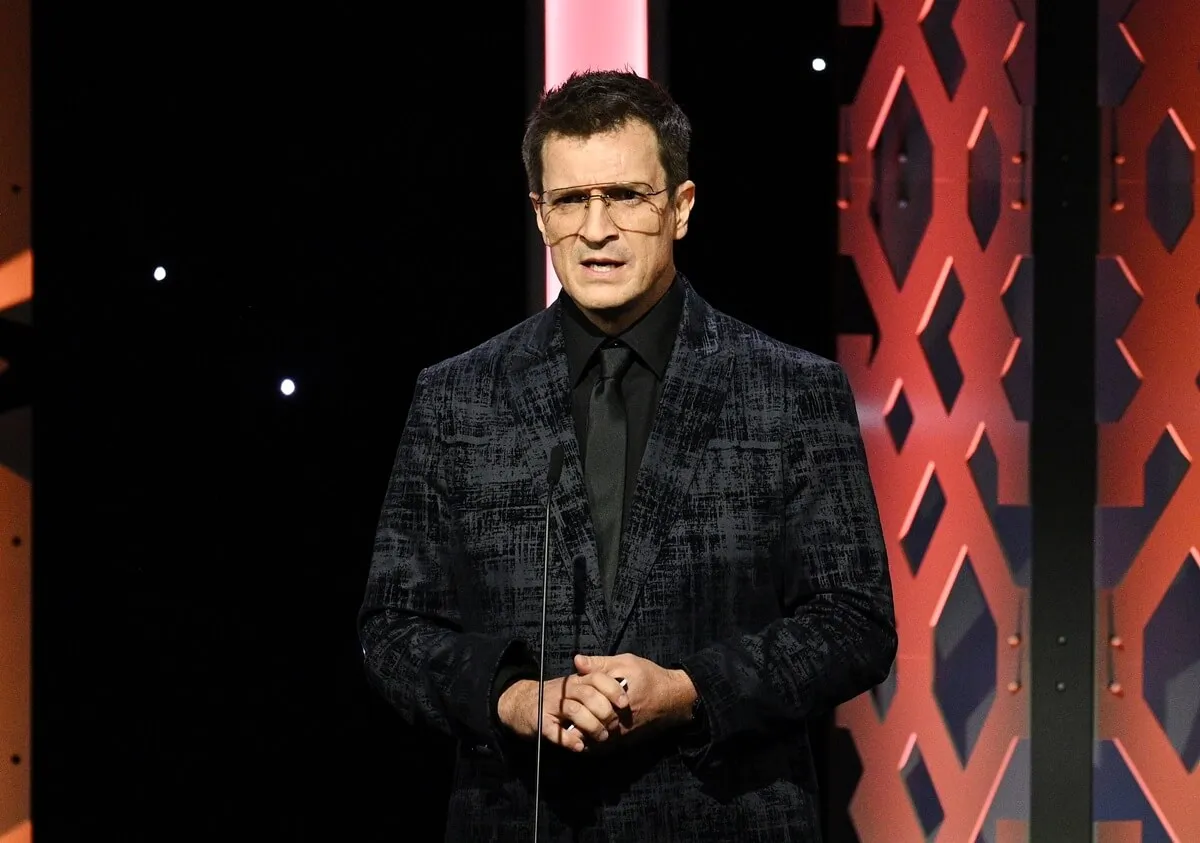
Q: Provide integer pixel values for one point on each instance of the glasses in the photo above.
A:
(628, 205)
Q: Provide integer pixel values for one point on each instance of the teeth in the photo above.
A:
(602, 267)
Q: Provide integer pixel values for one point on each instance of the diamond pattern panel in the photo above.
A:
(1018, 368)
(983, 181)
(899, 418)
(1013, 525)
(938, 28)
(1120, 64)
(1170, 174)
(1149, 434)
(929, 505)
(1019, 61)
(964, 668)
(923, 794)
(935, 339)
(934, 216)
(902, 187)
(1117, 299)
(1122, 530)
(1171, 682)
(1117, 797)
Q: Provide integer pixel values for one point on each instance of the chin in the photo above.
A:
(601, 296)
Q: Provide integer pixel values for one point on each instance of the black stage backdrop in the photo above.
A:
(337, 197)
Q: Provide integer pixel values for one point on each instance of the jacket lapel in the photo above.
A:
(540, 401)
(694, 390)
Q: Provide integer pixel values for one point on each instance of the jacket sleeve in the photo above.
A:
(416, 652)
(837, 636)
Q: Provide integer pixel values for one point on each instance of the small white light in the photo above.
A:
(818, 64)
(160, 273)
(287, 386)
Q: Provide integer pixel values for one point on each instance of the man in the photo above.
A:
(718, 572)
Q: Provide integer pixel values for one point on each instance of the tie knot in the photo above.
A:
(615, 360)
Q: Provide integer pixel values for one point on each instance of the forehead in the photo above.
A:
(628, 153)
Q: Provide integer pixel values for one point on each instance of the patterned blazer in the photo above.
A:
(752, 558)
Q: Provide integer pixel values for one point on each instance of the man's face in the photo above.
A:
(608, 221)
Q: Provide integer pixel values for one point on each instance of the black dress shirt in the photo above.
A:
(652, 340)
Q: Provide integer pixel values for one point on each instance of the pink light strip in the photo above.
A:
(593, 35)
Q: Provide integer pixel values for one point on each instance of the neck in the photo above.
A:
(620, 319)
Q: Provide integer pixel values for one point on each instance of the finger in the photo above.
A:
(585, 722)
(590, 664)
(614, 688)
(601, 707)
(567, 736)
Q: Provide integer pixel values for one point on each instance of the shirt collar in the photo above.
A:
(652, 337)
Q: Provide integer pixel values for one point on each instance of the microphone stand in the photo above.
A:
(552, 475)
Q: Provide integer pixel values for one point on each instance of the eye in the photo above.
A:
(568, 199)
(623, 194)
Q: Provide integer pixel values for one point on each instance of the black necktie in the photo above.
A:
(604, 470)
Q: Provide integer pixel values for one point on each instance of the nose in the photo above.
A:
(598, 226)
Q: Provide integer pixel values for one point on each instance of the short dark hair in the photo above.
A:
(597, 101)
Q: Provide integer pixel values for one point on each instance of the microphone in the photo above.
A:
(580, 597)
(552, 475)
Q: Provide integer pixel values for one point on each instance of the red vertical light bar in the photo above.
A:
(593, 35)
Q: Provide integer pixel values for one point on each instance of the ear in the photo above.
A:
(537, 215)
(685, 198)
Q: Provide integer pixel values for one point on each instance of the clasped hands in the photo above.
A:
(595, 703)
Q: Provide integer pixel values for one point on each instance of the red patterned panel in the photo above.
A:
(1148, 394)
(16, 347)
(935, 224)
(1128, 831)
(1013, 831)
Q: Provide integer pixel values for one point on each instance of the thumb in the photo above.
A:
(590, 664)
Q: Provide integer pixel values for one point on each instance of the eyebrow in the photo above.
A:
(593, 185)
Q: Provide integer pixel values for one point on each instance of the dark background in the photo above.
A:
(337, 196)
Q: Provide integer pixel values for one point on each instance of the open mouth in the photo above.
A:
(602, 265)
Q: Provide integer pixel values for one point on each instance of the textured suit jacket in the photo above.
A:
(752, 558)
